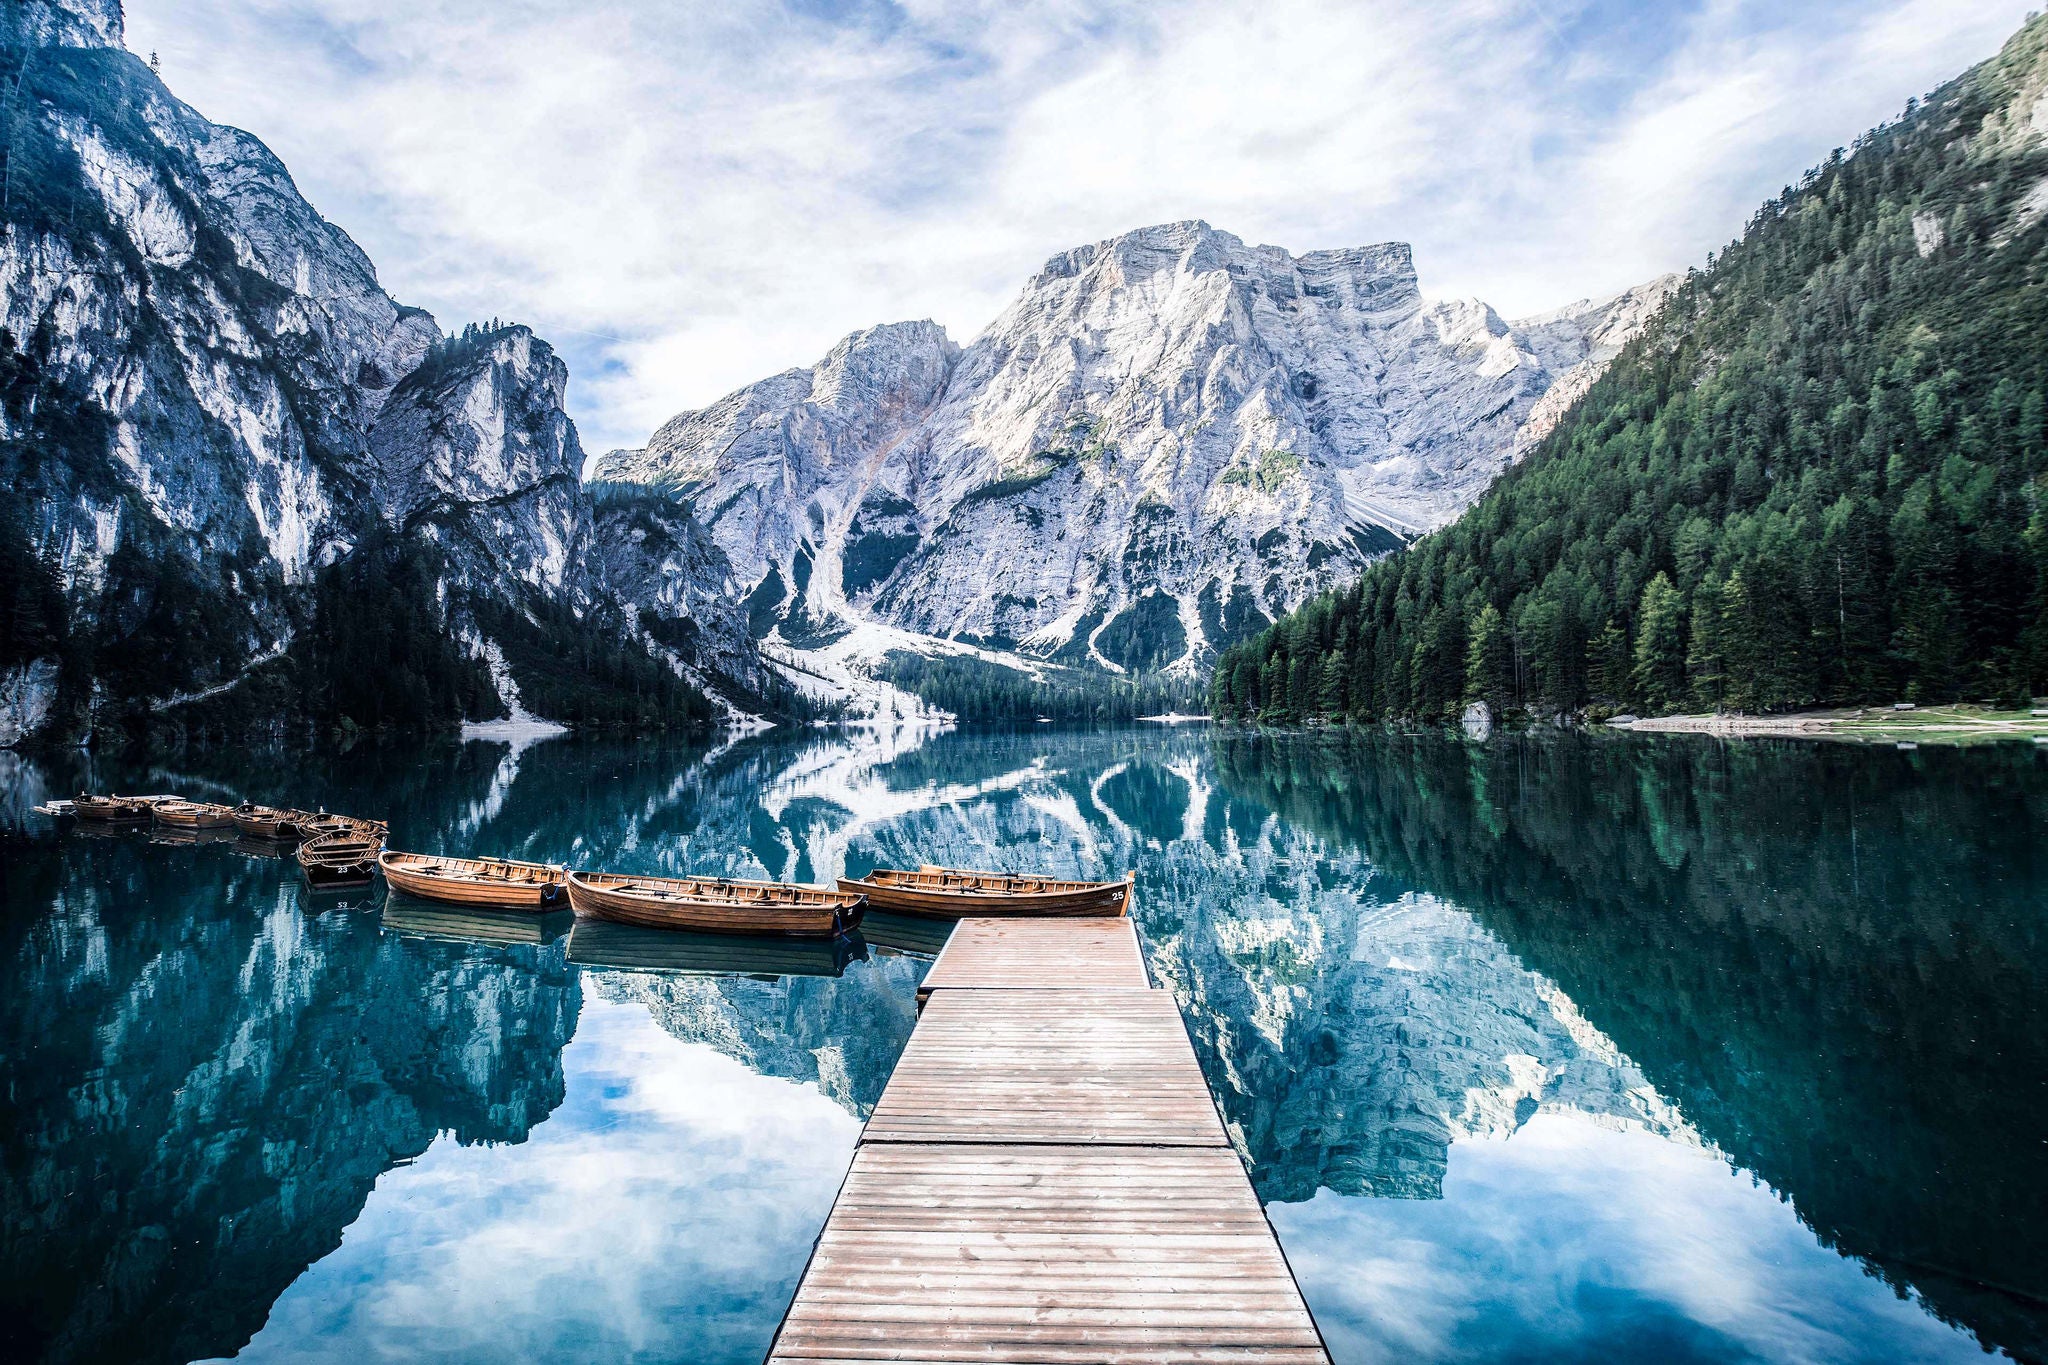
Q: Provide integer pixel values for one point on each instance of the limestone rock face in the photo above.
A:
(202, 372)
(773, 465)
(481, 450)
(74, 23)
(1166, 440)
(1577, 342)
(27, 694)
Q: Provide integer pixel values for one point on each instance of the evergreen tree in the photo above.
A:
(1659, 676)
(1705, 659)
(1489, 660)
(1607, 666)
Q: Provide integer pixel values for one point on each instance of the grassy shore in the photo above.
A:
(1922, 725)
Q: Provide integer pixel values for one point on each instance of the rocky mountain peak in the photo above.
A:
(218, 405)
(64, 23)
(1166, 439)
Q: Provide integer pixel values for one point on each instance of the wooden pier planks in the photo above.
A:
(1028, 954)
(1088, 1253)
(1046, 1181)
(1048, 1066)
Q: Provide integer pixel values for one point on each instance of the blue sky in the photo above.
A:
(688, 197)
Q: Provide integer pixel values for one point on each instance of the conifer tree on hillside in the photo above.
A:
(1820, 476)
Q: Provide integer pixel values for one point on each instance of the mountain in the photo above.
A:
(1818, 476)
(226, 443)
(1165, 441)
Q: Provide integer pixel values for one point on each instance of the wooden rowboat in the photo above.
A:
(503, 882)
(271, 822)
(111, 809)
(955, 893)
(328, 822)
(194, 815)
(715, 905)
(344, 858)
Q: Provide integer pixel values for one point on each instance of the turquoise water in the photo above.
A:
(1587, 1047)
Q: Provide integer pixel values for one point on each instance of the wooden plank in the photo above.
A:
(1061, 1253)
(1039, 954)
(1066, 1066)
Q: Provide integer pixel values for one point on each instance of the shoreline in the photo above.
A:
(1934, 723)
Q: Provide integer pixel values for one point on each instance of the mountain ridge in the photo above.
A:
(211, 406)
(1164, 441)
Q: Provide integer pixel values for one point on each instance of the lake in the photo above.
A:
(1580, 1046)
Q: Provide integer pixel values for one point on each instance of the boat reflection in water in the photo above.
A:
(87, 828)
(191, 836)
(920, 936)
(626, 947)
(415, 918)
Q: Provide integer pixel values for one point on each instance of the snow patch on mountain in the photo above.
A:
(520, 726)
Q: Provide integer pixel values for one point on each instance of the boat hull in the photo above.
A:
(279, 827)
(637, 901)
(1107, 900)
(338, 876)
(484, 892)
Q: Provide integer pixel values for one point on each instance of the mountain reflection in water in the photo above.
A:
(1526, 1041)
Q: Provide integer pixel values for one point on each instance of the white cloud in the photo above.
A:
(1573, 1240)
(667, 1206)
(687, 198)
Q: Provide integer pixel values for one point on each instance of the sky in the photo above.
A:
(687, 197)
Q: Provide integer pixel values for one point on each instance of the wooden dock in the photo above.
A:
(1046, 1179)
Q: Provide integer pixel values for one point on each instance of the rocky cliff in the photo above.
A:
(207, 401)
(1166, 440)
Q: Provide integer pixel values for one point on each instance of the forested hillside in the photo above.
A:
(975, 690)
(1820, 476)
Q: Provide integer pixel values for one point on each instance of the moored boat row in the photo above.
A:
(725, 905)
(341, 851)
(333, 851)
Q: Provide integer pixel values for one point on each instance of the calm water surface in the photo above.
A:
(1592, 1048)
